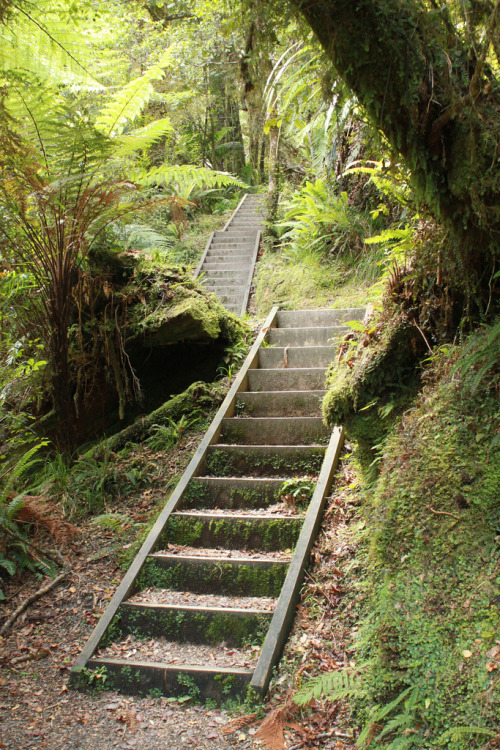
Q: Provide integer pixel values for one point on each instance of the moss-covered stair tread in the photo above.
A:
(236, 531)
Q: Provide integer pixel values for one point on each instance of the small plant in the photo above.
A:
(297, 492)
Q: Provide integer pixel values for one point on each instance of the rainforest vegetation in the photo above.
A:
(128, 132)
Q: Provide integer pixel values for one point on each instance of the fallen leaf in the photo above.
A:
(467, 654)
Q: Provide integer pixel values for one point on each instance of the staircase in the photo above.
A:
(207, 604)
(227, 265)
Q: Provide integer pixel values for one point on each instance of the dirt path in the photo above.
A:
(39, 712)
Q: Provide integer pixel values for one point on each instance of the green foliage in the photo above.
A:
(318, 222)
(15, 552)
(427, 574)
(331, 686)
(297, 491)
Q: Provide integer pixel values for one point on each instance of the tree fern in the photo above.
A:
(185, 178)
(143, 138)
(126, 104)
(44, 39)
(331, 686)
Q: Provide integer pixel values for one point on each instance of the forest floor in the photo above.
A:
(39, 711)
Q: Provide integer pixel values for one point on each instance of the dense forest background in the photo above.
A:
(128, 131)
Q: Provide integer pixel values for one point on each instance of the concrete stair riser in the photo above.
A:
(303, 379)
(231, 493)
(291, 337)
(296, 356)
(203, 575)
(311, 318)
(237, 627)
(274, 431)
(263, 461)
(280, 403)
(249, 532)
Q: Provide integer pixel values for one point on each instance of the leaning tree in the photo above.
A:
(428, 79)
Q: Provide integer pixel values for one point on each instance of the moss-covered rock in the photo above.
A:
(377, 365)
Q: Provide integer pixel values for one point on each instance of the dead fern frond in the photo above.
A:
(272, 730)
(36, 510)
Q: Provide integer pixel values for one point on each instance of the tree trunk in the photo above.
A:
(436, 102)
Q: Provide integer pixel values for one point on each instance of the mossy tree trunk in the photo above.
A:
(436, 100)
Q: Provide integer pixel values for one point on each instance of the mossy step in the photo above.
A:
(279, 403)
(230, 492)
(236, 627)
(296, 356)
(236, 576)
(263, 460)
(290, 379)
(321, 317)
(235, 531)
(274, 430)
(156, 678)
(317, 336)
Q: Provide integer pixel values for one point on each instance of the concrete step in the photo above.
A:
(229, 252)
(192, 624)
(143, 677)
(231, 493)
(229, 265)
(263, 460)
(296, 379)
(234, 576)
(321, 336)
(280, 403)
(217, 283)
(237, 531)
(234, 238)
(296, 356)
(274, 431)
(231, 276)
(323, 317)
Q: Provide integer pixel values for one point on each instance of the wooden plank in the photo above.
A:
(287, 602)
(202, 260)
(246, 293)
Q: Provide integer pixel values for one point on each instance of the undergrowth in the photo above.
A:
(425, 581)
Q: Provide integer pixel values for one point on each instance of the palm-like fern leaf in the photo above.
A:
(126, 104)
(143, 138)
(184, 175)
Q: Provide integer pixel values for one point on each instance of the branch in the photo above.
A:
(44, 590)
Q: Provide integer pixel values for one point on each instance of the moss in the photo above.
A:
(225, 577)
(269, 534)
(238, 463)
(387, 365)
(199, 495)
(429, 559)
(198, 395)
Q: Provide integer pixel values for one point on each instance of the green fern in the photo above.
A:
(185, 178)
(331, 686)
(143, 138)
(128, 103)
(455, 734)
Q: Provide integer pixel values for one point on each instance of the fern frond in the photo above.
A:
(128, 103)
(331, 686)
(455, 734)
(184, 174)
(146, 237)
(14, 507)
(25, 462)
(44, 40)
(143, 138)
(7, 565)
